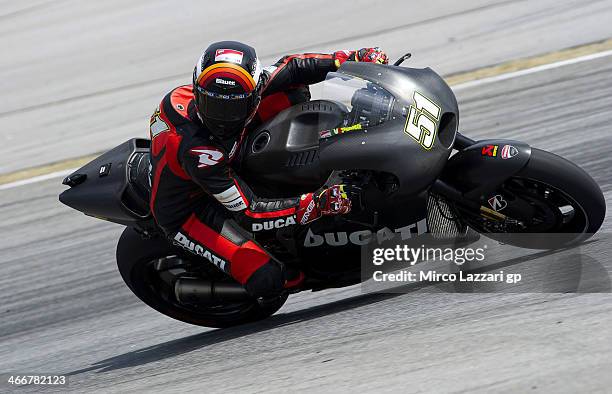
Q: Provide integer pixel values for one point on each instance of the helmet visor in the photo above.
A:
(224, 107)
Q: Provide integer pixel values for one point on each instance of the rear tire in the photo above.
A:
(135, 260)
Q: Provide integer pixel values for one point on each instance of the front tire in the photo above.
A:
(545, 192)
(149, 268)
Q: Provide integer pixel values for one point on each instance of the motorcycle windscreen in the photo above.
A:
(368, 103)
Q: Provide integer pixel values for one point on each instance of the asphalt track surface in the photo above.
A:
(77, 77)
(65, 310)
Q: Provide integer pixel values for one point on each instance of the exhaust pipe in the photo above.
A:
(199, 291)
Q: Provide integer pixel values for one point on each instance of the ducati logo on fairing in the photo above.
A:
(364, 237)
(508, 152)
(272, 224)
(182, 240)
(208, 156)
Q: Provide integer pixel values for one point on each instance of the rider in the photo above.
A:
(197, 197)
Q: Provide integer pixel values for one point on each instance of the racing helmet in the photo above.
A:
(227, 87)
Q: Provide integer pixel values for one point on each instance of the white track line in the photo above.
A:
(532, 70)
(39, 178)
(465, 85)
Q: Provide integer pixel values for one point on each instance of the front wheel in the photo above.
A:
(151, 266)
(549, 195)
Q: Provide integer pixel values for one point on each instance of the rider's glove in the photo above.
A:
(370, 55)
(331, 201)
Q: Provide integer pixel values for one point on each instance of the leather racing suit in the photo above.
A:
(198, 198)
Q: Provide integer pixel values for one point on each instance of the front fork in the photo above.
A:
(456, 196)
(462, 142)
(449, 192)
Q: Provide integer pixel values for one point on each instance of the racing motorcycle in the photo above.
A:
(390, 131)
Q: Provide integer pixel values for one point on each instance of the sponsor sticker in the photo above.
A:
(104, 170)
(340, 130)
(497, 202)
(508, 152)
(364, 237)
(326, 133)
(228, 55)
(489, 150)
(231, 199)
(273, 224)
(306, 215)
(185, 242)
(207, 156)
(270, 69)
(227, 82)
(236, 205)
(156, 124)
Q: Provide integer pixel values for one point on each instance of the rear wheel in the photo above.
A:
(151, 266)
(549, 195)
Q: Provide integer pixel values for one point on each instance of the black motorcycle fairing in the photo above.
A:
(402, 82)
(286, 155)
(276, 166)
(331, 245)
(281, 157)
(483, 166)
(414, 166)
(114, 186)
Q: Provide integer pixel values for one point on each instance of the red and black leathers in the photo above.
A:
(197, 196)
(188, 163)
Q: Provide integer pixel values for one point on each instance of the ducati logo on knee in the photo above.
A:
(182, 240)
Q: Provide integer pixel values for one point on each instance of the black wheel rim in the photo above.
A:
(545, 209)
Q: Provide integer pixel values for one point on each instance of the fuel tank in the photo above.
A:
(402, 121)
(282, 156)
